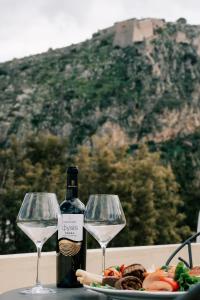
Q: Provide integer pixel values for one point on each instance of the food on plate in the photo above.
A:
(159, 281)
(115, 271)
(135, 277)
(128, 283)
(110, 280)
(184, 278)
(167, 278)
(170, 270)
(85, 277)
(136, 270)
(195, 271)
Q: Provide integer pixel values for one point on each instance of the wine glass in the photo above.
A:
(38, 219)
(104, 219)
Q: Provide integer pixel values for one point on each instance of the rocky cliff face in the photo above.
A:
(137, 80)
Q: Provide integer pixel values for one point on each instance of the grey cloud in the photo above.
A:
(76, 8)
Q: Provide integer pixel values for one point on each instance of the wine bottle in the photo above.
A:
(71, 243)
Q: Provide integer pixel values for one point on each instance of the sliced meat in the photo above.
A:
(128, 283)
(110, 280)
(136, 270)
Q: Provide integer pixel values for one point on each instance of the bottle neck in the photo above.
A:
(72, 186)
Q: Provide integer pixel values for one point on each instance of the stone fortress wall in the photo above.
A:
(135, 31)
(129, 31)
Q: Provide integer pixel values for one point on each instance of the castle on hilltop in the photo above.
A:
(133, 30)
(127, 32)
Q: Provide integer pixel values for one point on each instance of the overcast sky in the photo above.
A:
(33, 26)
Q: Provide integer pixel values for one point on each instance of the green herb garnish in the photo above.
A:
(94, 284)
(117, 268)
(98, 285)
(182, 276)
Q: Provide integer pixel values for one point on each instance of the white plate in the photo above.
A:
(136, 295)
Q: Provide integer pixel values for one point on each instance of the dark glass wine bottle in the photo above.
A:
(71, 244)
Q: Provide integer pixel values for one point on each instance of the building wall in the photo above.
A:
(124, 33)
(133, 31)
(182, 38)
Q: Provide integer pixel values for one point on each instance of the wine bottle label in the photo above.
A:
(70, 226)
(69, 248)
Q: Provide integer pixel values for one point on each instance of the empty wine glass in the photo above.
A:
(104, 219)
(38, 219)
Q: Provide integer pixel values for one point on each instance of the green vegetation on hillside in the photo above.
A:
(73, 91)
(184, 155)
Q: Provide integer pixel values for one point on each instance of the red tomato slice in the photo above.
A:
(174, 284)
(112, 272)
(122, 267)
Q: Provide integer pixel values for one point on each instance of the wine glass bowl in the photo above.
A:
(104, 219)
(38, 219)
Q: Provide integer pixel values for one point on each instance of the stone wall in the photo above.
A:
(182, 38)
(133, 31)
(124, 33)
(196, 43)
(142, 30)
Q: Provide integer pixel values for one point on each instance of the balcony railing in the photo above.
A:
(19, 270)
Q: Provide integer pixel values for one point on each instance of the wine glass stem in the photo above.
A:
(39, 249)
(103, 247)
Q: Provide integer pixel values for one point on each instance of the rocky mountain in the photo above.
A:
(137, 80)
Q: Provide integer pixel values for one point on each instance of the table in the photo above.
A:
(62, 294)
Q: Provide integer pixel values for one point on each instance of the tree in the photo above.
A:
(37, 163)
(184, 156)
(155, 186)
(147, 189)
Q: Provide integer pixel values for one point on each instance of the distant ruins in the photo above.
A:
(133, 30)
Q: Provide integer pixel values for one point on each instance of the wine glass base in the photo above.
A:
(39, 290)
